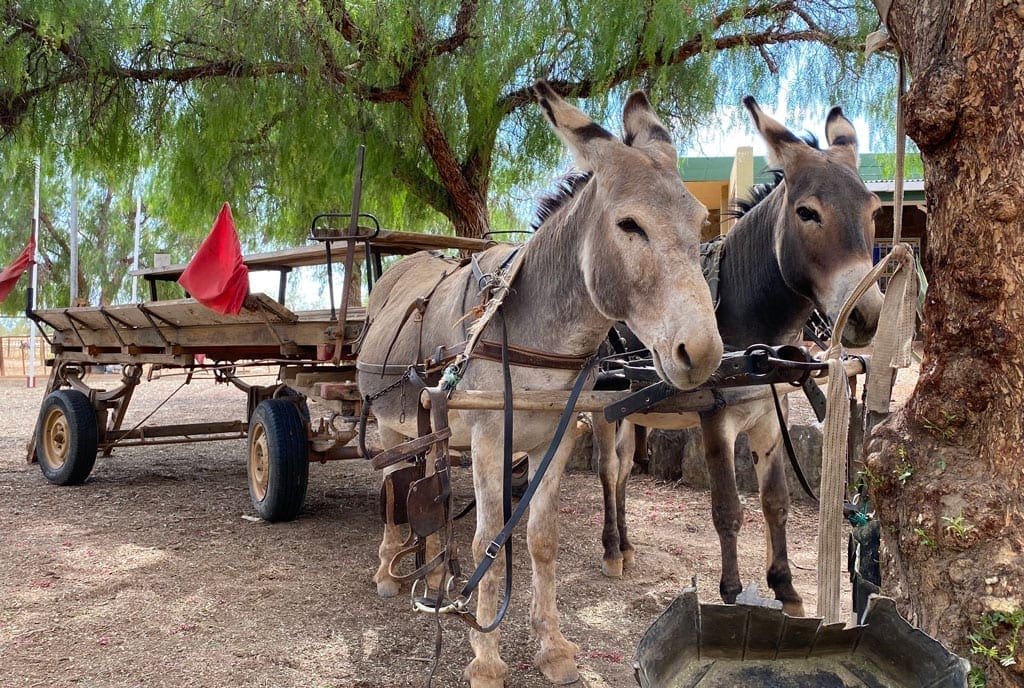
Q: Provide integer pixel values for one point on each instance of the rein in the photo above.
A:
(512, 518)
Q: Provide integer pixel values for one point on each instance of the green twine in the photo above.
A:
(450, 378)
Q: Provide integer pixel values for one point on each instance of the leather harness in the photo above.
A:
(427, 506)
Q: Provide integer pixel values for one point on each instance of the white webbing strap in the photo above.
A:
(895, 335)
(833, 472)
(892, 346)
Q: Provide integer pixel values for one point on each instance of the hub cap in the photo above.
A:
(56, 439)
(259, 463)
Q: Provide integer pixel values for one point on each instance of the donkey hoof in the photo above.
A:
(561, 673)
(387, 587)
(794, 608)
(486, 674)
(628, 557)
(612, 567)
(559, 665)
(483, 682)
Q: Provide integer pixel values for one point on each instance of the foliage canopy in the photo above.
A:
(264, 103)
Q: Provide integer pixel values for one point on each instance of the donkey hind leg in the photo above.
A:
(392, 540)
(726, 511)
(769, 456)
(487, 669)
(608, 460)
(556, 656)
(625, 448)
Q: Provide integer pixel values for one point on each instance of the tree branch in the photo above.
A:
(587, 86)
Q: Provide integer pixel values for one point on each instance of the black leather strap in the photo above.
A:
(788, 442)
(503, 538)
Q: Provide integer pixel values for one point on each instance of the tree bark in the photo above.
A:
(954, 530)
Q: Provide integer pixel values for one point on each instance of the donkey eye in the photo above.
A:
(630, 226)
(808, 215)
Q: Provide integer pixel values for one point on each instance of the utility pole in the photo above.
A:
(31, 379)
(135, 254)
(74, 239)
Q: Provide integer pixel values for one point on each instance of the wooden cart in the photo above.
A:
(77, 422)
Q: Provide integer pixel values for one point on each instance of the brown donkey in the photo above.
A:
(806, 245)
(622, 246)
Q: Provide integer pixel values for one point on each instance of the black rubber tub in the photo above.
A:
(694, 645)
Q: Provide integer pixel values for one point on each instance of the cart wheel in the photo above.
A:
(278, 465)
(66, 437)
(302, 403)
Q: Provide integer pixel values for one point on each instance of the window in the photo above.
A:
(882, 249)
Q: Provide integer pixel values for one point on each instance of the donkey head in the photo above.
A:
(639, 232)
(826, 229)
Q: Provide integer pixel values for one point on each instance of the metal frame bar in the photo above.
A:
(149, 315)
(72, 319)
(110, 324)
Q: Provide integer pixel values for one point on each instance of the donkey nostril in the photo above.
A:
(683, 357)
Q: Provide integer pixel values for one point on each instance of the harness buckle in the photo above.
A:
(492, 550)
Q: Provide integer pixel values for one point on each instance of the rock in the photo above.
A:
(807, 443)
(679, 455)
(583, 457)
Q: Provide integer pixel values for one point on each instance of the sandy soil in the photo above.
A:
(150, 574)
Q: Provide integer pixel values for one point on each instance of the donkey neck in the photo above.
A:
(757, 306)
(549, 308)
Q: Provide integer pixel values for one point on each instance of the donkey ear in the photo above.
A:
(842, 138)
(642, 127)
(584, 137)
(784, 147)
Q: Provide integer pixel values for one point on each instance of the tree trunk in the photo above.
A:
(472, 218)
(954, 530)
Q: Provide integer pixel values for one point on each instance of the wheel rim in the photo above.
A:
(259, 463)
(56, 439)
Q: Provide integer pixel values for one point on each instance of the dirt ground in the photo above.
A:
(150, 574)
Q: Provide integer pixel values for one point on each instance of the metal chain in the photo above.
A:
(381, 392)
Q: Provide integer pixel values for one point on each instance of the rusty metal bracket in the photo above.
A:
(152, 318)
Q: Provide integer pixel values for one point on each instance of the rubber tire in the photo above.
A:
(278, 424)
(303, 404)
(82, 428)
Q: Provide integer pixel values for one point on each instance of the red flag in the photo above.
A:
(9, 277)
(216, 276)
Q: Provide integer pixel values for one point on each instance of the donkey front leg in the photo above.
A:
(768, 453)
(556, 657)
(726, 511)
(487, 670)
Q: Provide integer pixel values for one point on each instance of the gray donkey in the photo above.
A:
(806, 245)
(621, 245)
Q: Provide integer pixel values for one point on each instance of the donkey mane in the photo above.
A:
(566, 187)
(759, 192)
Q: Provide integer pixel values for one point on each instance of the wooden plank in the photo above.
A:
(183, 430)
(683, 406)
(543, 400)
(182, 313)
(277, 311)
(220, 335)
(388, 241)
